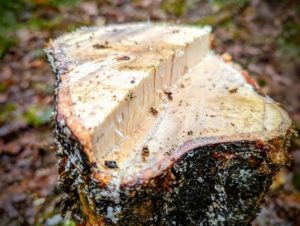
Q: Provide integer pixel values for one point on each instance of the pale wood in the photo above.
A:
(144, 95)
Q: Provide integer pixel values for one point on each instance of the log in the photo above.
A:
(153, 128)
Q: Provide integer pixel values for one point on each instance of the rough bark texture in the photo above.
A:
(219, 184)
(219, 181)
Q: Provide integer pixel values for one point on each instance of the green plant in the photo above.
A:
(175, 7)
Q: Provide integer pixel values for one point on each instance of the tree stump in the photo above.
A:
(154, 129)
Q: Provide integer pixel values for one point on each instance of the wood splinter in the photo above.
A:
(206, 158)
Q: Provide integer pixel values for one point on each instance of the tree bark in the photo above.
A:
(154, 129)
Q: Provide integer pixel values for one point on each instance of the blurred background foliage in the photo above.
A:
(21, 13)
(262, 36)
(31, 13)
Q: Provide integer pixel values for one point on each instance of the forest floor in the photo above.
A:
(262, 36)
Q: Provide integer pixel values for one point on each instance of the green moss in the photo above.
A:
(175, 7)
(6, 112)
(289, 40)
(12, 18)
(221, 4)
(34, 116)
(296, 180)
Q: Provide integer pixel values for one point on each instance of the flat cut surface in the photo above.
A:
(152, 129)
(212, 103)
(117, 73)
(142, 95)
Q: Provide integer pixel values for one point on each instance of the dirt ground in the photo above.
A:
(262, 36)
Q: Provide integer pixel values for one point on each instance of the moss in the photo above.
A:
(175, 7)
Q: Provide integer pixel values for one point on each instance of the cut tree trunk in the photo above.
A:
(154, 129)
